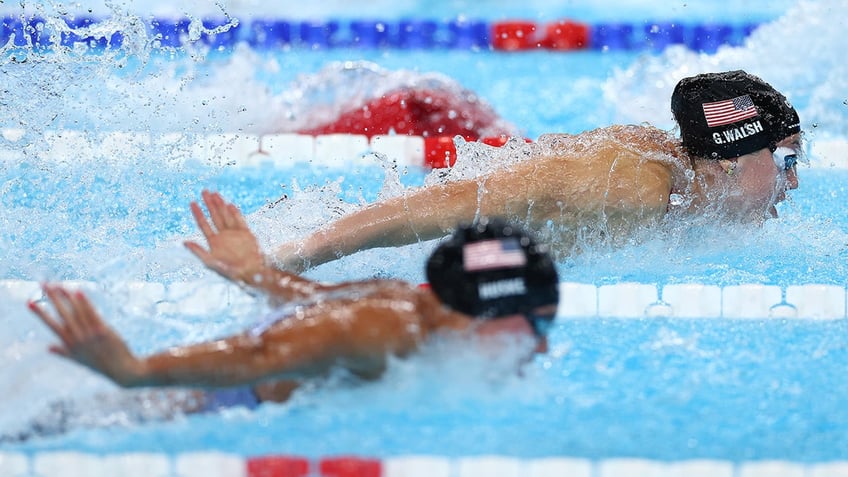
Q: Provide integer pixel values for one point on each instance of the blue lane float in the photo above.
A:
(469, 34)
(369, 34)
(21, 32)
(612, 36)
(417, 34)
(270, 34)
(169, 32)
(661, 35)
(375, 33)
(319, 35)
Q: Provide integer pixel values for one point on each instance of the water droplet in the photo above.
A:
(675, 199)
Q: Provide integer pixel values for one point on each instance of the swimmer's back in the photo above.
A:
(361, 322)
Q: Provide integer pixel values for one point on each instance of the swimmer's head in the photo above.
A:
(731, 114)
(491, 270)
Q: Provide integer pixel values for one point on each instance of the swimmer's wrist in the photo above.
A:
(266, 273)
(135, 374)
(289, 259)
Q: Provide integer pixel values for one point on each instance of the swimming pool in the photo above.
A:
(727, 385)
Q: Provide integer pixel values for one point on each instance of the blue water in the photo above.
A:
(657, 389)
(664, 389)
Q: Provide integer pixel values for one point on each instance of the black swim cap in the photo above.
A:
(730, 114)
(492, 269)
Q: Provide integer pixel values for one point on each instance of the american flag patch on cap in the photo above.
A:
(729, 111)
(492, 254)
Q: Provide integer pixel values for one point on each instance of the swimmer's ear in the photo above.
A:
(728, 166)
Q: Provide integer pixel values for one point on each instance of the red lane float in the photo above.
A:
(514, 35)
(350, 467)
(439, 152)
(518, 35)
(286, 466)
(277, 466)
(566, 35)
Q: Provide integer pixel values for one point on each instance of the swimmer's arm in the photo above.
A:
(640, 196)
(614, 185)
(421, 215)
(357, 337)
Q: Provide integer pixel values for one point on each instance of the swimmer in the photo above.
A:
(418, 112)
(488, 282)
(740, 140)
(359, 97)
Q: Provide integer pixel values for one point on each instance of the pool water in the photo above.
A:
(655, 388)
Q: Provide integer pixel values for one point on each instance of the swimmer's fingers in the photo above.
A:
(57, 298)
(209, 260)
(228, 213)
(48, 320)
(200, 218)
(89, 319)
(224, 215)
(199, 252)
(60, 350)
(81, 320)
(217, 209)
(236, 218)
(65, 310)
(76, 321)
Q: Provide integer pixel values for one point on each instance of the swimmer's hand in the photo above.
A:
(86, 339)
(234, 252)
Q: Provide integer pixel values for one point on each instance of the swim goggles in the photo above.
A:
(785, 158)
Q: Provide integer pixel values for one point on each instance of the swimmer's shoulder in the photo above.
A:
(628, 135)
(645, 136)
(418, 298)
